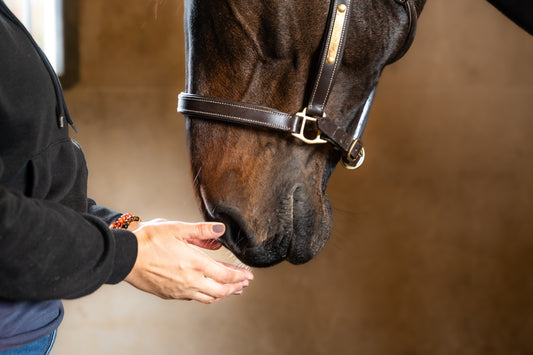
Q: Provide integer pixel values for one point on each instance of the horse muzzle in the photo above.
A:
(296, 230)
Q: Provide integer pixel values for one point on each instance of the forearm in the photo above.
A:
(48, 251)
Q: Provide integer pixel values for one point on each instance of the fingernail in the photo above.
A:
(218, 228)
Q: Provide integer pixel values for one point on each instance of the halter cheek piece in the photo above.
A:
(311, 125)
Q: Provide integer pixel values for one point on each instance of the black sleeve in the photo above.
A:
(48, 251)
(520, 11)
(104, 213)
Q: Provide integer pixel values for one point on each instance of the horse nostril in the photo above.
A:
(237, 236)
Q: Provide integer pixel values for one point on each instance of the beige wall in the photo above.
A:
(432, 244)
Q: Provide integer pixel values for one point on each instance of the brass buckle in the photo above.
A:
(300, 135)
(350, 163)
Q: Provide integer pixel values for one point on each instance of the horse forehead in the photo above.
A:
(275, 20)
(278, 27)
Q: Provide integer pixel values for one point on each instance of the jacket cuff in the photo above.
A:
(125, 255)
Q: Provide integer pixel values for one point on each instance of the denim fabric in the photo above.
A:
(42, 346)
(23, 323)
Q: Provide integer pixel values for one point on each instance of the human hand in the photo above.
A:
(168, 265)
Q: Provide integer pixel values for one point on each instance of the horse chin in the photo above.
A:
(293, 247)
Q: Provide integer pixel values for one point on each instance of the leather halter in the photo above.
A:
(313, 117)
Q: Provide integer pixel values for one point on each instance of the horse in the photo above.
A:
(277, 94)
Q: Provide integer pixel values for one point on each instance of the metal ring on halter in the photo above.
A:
(353, 163)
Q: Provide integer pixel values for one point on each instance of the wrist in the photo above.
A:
(124, 221)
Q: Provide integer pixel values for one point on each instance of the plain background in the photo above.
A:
(433, 236)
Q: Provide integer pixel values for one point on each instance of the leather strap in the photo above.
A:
(260, 116)
(341, 138)
(237, 112)
(340, 11)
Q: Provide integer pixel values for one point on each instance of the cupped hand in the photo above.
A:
(169, 266)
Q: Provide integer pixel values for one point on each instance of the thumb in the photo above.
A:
(202, 231)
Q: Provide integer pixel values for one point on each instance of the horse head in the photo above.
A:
(269, 187)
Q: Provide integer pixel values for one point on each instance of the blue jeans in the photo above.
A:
(42, 346)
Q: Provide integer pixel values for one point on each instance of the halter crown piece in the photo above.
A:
(312, 118)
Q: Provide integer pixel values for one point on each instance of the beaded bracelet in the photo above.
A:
(124, 221)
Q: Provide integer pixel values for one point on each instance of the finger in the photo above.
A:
(207, 230)
(249, 274)
(203, 298)
(211, 244)
(217, 290)
(223, 274)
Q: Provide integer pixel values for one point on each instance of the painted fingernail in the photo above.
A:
(218, 228)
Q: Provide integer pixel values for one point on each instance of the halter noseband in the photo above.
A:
(313, 117)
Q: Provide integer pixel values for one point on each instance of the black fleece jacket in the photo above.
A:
(54, 242)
